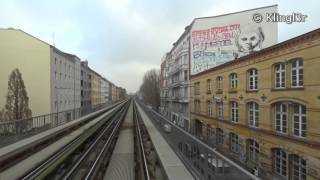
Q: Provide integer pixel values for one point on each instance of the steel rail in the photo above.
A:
(138, 130)
(107, 143)
(105, 147)
(35, 173)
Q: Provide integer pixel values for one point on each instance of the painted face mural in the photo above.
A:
(249, 40)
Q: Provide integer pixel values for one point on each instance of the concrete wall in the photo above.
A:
(32, 57)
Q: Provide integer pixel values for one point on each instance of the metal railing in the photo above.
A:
(203, 160)
(14, 130)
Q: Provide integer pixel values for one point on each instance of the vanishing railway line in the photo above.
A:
(79, 159)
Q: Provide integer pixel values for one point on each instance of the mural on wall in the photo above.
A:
(218, 45)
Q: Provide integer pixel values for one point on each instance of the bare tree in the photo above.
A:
(17, 102)
(150, 88)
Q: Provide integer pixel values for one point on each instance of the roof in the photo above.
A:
(285, 44)
(55, 48)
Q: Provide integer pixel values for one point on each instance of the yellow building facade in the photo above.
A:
(32, 57)
(95, 88)
(263, 110)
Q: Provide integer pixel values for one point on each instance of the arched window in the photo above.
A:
(254, 149)
(252, 79)
(233, 81)
(297, 73)
(219, 83)
(299, 120)
(280, 162)
(281, 117)
(298, 168)
(234, 143)
(280, 76)
(219, 136)
(209, 85)
(253, 114)
(209, 108)
(234, 112)
(219, 107)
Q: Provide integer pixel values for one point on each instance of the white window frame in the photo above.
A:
(234, 111)
(298, 168)
(234, 143)
(280, 162)
(302, 120)
(220, 139)
(253, 114)
(209, 84)
(234, 81)
(219, 106)
(219, 82)
(296, 69)
(281, 111)
(254, 149)
(280, 76)
(209, 108)
(253, 79)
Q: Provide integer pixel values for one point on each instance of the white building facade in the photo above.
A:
(176, 92)
(65, 81)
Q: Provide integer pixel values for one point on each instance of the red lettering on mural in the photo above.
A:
(215, 34)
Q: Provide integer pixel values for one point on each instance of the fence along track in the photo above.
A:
(55, 160)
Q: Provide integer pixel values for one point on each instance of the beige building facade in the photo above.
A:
(262, 110)
(49, 74)
(95, 88)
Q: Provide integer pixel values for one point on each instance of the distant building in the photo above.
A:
(85, 85)
(104, 90)
(95, 88)
(51, 76)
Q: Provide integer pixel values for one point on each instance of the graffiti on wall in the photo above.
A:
(218, 45)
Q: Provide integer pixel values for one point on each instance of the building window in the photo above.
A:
(209, 108)
(253, 151)
(186, 75)
(299, 120)
(281, 117)
(253, 79)
(55, 61)
(280, 162)
(253, 114)
(280, 76)
(234, 143)
(219, 110)
(209, 85)
(298, 168)
(219, 83)
(233, 80)
(55, 75)
(197, 106)
(219, 136)
(234, 111)
(197, 88)
(297, 73)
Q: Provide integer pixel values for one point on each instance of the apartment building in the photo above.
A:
(95, 88)
(51, 76)
(164, 92)
(65, 81)
(175, 74)
(104, 90)
(85, 85)
(262, 110)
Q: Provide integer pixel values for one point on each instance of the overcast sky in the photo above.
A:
(124, 38)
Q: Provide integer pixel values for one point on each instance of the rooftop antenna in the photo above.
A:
(53, 40)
